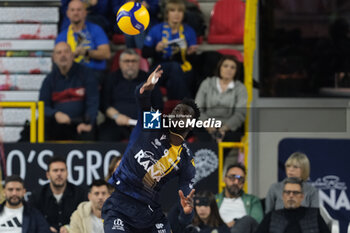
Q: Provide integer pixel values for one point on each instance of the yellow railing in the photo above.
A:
(36, 132)
(249, 49)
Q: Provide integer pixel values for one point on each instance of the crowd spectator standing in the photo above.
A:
(87, 217)
(58, 199)
(170, 44)
(88, 41)
(293, 217)
(224, 98)
(119, 101)
(15, 214)
(71, 98)
(240, 211)
(297, 165)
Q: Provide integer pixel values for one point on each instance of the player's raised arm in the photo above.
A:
(152, 80)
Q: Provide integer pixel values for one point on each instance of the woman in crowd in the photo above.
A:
(206, 216)
(297, 165)
(224, 98)
(170, 44)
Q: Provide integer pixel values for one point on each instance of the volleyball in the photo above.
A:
(132, 18)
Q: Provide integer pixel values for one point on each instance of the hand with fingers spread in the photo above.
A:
(187, 202)
(152, 80)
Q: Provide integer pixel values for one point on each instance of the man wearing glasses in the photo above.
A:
(240, 211)
(293, 218)
(118, 98)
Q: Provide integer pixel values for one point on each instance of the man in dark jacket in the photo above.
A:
(15, 214)
(58, 199)
(71, 97)
(293, 218)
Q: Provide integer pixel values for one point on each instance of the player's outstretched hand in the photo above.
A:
(152, 80)
(187, 202)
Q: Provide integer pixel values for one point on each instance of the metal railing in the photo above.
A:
(36, 129)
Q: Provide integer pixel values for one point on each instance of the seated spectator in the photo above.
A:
(98, 12)
(58, 199)
(224, 98)
(71, 98)
(88, 41)
(87, 217)
(15, 214)
(170, 44)
(119, 101)
(297, 165)
(206, 216)
(240, 211)
(113, 164)
(293, 217)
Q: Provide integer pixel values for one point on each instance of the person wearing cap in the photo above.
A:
(240, 211)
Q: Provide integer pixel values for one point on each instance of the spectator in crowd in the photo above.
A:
(224, 98)
(87, 218)
(206, 216)
(171, 44)
(240, 211)
(293, 217)
(71, 98)
(119, 101)
(15, 214)
(58, 199)
(88, 41)
(297, 165)
(98, 12)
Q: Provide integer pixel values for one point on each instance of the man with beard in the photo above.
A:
(70, 94)
(119, 101)
(15, 215)
(240, 211)
(87, 217)
(294, 218)
(58, 199)
(152, 158)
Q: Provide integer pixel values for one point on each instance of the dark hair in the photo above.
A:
(214, 219)
(238, 165)
(98, 183)
(129, 52)
(55, 159)
(293, 180)
(13, 178)
(111, 166)
(193, 105)
(231, 58)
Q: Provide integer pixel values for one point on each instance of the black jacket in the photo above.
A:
(33, 221)
(58, 214)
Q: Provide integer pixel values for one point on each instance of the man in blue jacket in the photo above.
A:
(15, 214)
(71, 97)
(152, 158)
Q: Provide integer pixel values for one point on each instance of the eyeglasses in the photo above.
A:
(288, 192)
(236, 177)
(129, 61)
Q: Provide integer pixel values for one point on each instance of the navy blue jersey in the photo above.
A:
(150, 161)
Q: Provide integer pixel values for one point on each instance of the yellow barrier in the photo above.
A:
(249, 49)
(33, 126)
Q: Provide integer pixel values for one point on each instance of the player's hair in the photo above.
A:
(55, 159)
(193, 105)
(13, 178)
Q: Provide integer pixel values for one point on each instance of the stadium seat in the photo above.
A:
(118, 39)
(115, 62)
(233, 52)
(227, 22)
